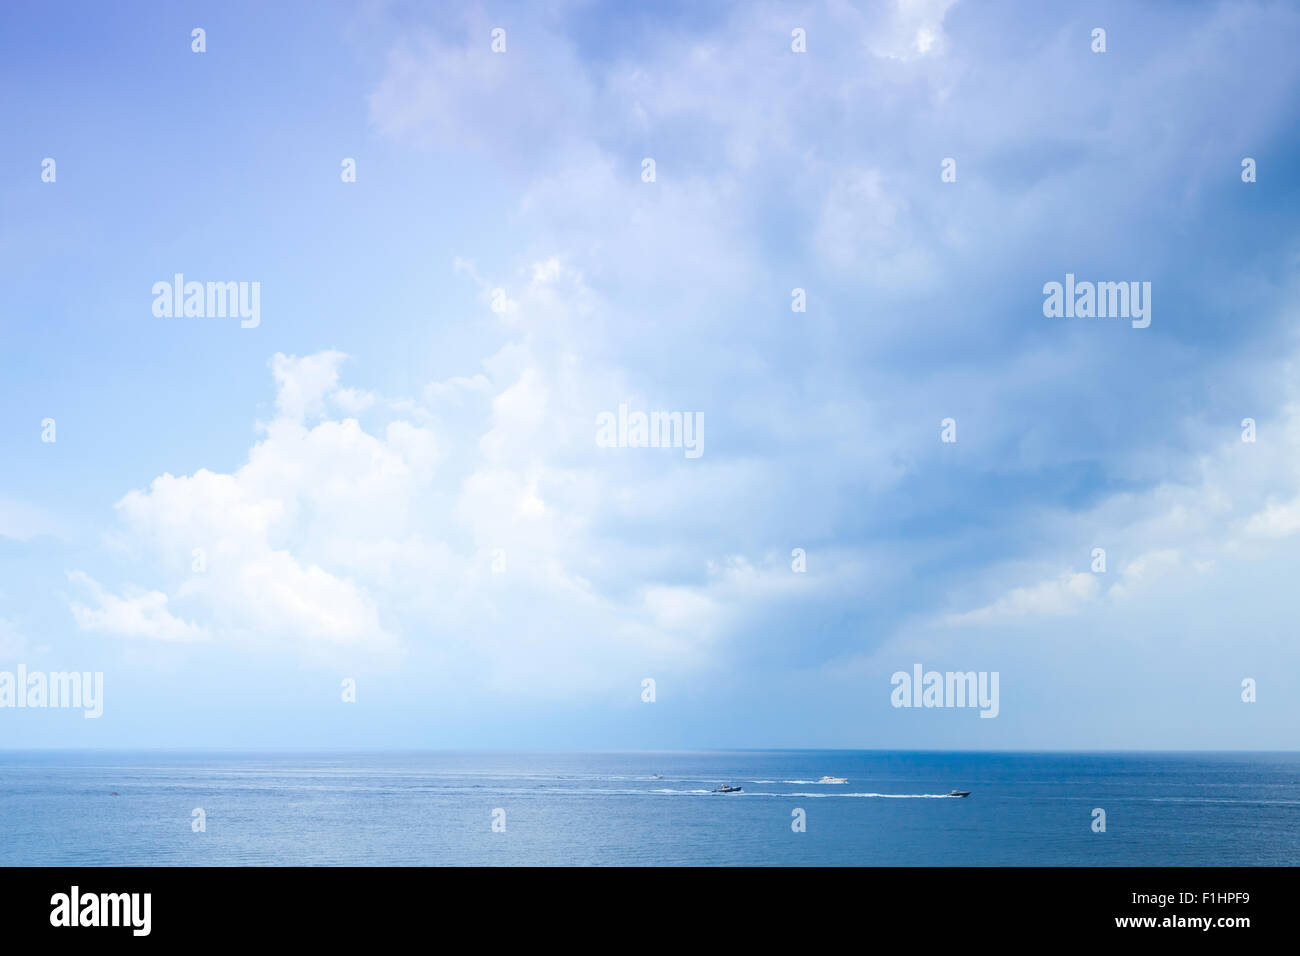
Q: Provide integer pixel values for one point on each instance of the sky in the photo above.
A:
(382, 515)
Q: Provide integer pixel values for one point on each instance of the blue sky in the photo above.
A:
(351, 466)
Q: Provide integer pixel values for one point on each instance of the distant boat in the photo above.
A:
(833, 780)
(727, 788)
(656, 776)
(960, 793)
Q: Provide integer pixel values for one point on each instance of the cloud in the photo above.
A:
(1239, 504)
(303, 383)
(778, 175)
(455, 388)
(1275, 521)
(1062, 595)
(449, 88)
(285, 550)
(342, 544)
(908, 29)
(864, 226)
(353, 401)
(142, 615)
(366, 526)
(1147, 568)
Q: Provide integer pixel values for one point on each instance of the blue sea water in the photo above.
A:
(1025, 809)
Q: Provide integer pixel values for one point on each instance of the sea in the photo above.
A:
(648, 809)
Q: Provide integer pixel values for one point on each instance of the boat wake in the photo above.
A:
(889, 796)
(828, 793)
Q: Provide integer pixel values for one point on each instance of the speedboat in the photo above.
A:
(727, 788)
(960, 793)
(657, 776)
(833, 780)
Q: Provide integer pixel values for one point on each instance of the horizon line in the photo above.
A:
(701, 750)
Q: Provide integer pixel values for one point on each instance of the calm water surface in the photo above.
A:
(607, 809)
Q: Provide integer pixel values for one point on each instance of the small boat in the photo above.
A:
(960, 793)
(657, 776)
(833, 780)
(727, 788)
